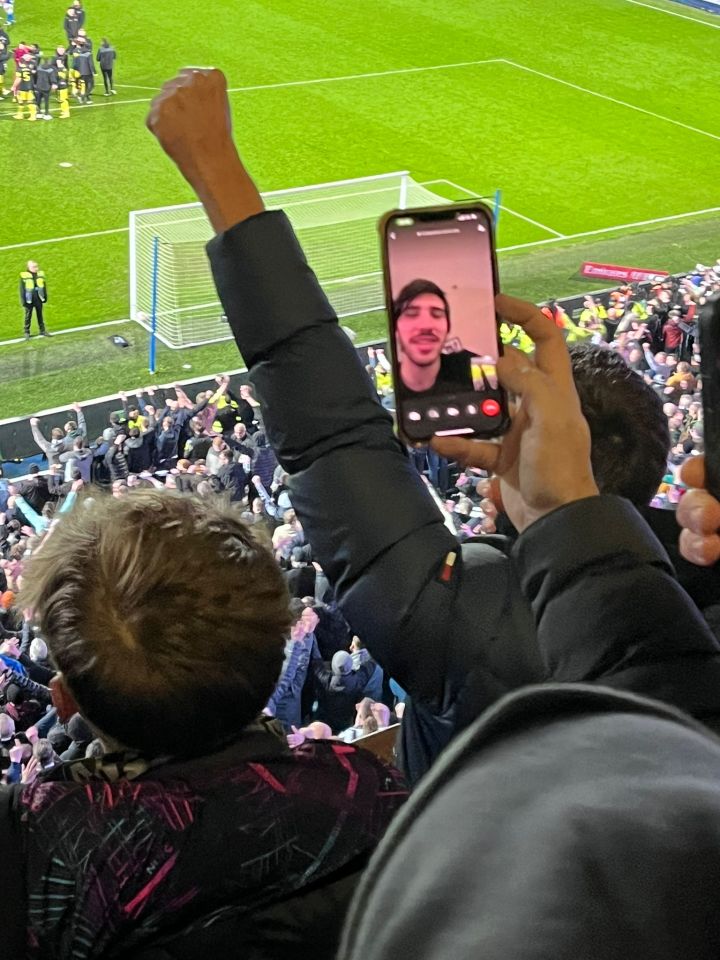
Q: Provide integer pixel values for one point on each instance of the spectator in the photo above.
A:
(381, 713)
(166, 443)
(264, 462)
(79, 458)
(198, 442)
(240, 441)
(139, 447)
(259, 519)
(300, 578)
(51, 448)
(180, 718)
(338, 688)
(401, 579)
(116, 460)
(556, 774)
(4, 494)
(277, 504)
(360, 655)
(212, 458)
(232, 476)
(7, 740)
(285, 701)
(369, 726)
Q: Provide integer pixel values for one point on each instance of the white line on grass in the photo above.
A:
(535, 223)
(673, 13)
(604, 96)
(622, 226)
(135, 86)
(74, 236)
(316, 80)
(520, 216)
(57, 333)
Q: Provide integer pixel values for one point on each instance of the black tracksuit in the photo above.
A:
(84, 65)
(106, 57)
(45, 78)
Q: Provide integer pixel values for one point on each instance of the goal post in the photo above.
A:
(336, 224)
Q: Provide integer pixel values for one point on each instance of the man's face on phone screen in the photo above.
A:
(422, 329)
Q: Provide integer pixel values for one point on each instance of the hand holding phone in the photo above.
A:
(543, 461)
(440, 286)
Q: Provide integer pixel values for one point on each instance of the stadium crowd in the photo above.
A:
(193, 654)
(69, 71)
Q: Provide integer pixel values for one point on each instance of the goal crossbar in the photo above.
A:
(336, 224)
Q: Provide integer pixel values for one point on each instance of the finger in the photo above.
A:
(551, 353)
(513, 352)
(474, 453)
(294, 729)
(520, 376)
(702, 551)
(699, 512)
(692, 472)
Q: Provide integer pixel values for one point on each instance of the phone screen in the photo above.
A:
(440, 285)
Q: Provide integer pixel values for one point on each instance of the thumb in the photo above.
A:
(474, 453)
(294, 729)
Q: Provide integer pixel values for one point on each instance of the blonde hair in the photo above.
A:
(165, 616)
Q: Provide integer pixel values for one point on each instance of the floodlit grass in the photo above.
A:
(564, 157)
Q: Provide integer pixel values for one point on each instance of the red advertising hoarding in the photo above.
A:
(609, 271)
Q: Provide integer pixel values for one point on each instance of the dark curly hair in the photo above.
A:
(629, 431)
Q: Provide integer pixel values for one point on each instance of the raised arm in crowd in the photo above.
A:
(454, 626)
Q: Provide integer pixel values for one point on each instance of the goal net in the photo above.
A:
(336, 224)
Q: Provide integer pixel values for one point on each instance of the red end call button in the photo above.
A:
(491, 408)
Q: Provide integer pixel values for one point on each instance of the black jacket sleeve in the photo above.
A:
(382, 541)
(609, 608)
(374, 528)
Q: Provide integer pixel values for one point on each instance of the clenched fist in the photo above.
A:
(191, 120)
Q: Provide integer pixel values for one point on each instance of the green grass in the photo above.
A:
(569, 160)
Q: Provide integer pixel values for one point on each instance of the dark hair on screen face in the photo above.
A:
(166, 617)
(628, 429)
(414, 289)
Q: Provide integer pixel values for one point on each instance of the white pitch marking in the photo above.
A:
(621, 103)
(673, 13)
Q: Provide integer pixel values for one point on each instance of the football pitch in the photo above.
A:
(597, 119)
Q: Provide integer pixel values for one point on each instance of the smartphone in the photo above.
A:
(441, 278)
(709, 328)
